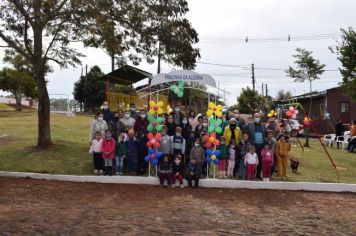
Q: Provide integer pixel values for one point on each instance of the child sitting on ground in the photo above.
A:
(267, 162)
(96, 150)
(120, 154)
(224, 154)
(251, 161)
(177, 171)
(165, 171)
(232, 159)
(193, 173)
(108, 148)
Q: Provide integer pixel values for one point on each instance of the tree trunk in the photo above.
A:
(38, 62)
(18, 101)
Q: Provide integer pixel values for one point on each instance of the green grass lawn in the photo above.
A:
(5, 107)
(69, 154)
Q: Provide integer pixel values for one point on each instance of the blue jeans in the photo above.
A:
(132, 162)
(119, 164)
(242, 168)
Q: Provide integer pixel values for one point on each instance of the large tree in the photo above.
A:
(89, 89)
(307, 69)
(250, 101)
(19, 83)
(346, 52)
(282, 95)
(42, 30)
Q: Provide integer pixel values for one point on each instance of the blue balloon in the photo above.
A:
(147, 158)
(216, 162)
(208, 152)
(151, 151)
(155, 161)
(159, 154)
(217, 153)
(208, 159)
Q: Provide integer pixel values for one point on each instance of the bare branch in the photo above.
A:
(61, 64)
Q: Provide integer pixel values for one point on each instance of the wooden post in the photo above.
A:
(106, 89)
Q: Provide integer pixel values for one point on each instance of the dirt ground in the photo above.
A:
(34, 207)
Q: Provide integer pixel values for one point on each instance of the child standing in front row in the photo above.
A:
(165, 171)
(267, 162)
(96, 150)
(224, 154)
(251, 161)
(177, 171)
(193, 173)
(120, 154)
(108, 148)
(232, 159)
(283, 149)
(243, 148)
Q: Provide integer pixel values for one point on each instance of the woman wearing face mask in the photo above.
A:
(98, 124)
(128, 121)
(204, 128)
(232, 132)
(171, 126)
(192, 120)
(186, 128)
(142, 122)
(116, 126)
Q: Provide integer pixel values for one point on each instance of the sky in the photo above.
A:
(222, 23)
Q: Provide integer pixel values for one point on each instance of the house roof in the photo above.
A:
(306, 96)
(127, 75)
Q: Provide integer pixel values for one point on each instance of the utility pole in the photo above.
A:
(253, 76)
(262, 90)
(159, 58)
(266, 90)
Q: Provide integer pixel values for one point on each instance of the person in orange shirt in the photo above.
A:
(352, 143)
(282, 150)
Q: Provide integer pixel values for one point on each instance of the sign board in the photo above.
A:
(185, 75)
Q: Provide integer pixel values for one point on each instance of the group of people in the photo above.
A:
(251, 150)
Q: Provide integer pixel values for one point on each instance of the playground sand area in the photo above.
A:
(35, 207)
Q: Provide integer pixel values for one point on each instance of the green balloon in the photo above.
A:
(160, 120)
(150, 127)
(211, 129)
(150, 118)
(218, 130)
(180, 94)
(159, 128)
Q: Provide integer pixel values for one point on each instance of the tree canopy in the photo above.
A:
(346, 52)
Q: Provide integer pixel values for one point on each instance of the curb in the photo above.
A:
(205, 183)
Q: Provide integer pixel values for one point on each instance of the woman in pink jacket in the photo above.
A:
(108, 151)
(267, 162)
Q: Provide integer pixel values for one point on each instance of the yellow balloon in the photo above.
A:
(169, 109)
(211, 105)
(152, 112)
(211, 139)
(152, 103)
(160, 103)
(218, 113)
(213, 157)
(219, 107)
(160, 111)
(209, 113)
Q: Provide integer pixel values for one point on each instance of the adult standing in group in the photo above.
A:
(177, 116)
(133, 112)
(142, 122)
(107, 114)
(116, 126)
(128, 121)
(232, 132)
(272, 126)
(98, 124)
(186, 128)
(257, 134)
(240, 122)
(193, 122)
(339, 130)
(352, 143)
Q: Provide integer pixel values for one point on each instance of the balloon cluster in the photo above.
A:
(153, 140)
(178, 90)
(153, 156)
(212, 156)
(272, 113)
(292, 112)
(153, 118)
(211, 140)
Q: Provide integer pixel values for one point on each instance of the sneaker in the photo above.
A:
(96, 171)
(182, 186)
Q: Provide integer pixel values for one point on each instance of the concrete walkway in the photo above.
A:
(206, 183)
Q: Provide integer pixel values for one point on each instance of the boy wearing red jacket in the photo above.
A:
(108, 150)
